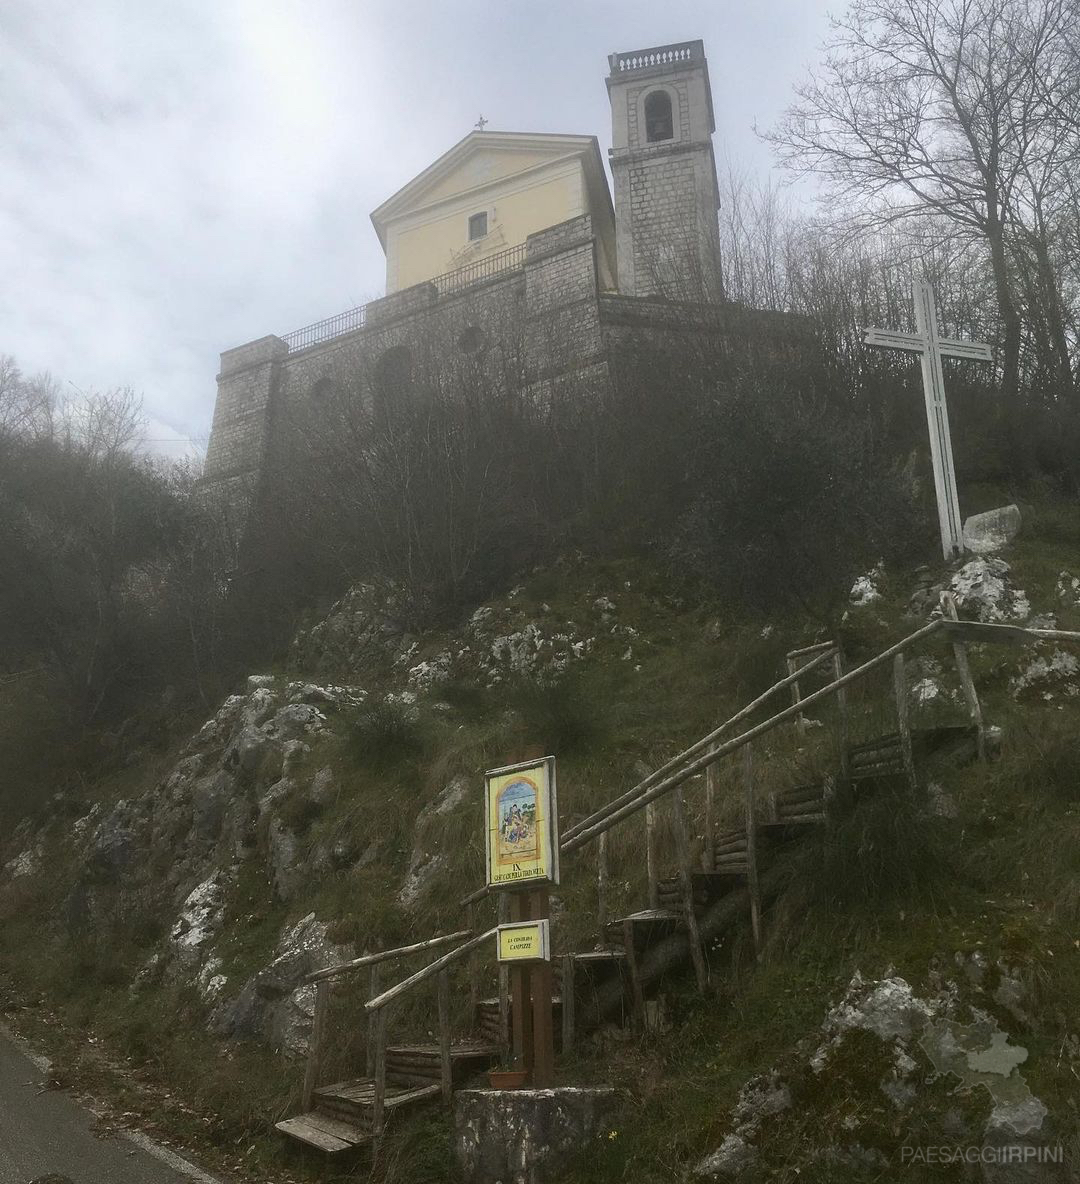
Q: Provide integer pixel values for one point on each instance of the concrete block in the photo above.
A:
(529, 1136)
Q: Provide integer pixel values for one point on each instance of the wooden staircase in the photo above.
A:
(343, 1113)
(352, 1113)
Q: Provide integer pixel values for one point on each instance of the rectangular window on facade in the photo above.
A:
(477, 226)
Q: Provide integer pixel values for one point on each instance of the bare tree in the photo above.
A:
(938, 107)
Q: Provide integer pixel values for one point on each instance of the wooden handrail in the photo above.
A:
(582, 837)
(694, 749)
(473, 897)
(985, 631)
(429, 971)
(817, 648)
(433, 943)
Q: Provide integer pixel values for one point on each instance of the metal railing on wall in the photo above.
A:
(320, 331)
(512, 259)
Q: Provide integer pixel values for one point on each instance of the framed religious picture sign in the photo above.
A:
(522, 823)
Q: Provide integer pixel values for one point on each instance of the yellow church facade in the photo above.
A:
(486, 195)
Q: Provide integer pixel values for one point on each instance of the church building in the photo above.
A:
(512, 235)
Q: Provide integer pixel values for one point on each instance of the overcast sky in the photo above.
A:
(182, 177)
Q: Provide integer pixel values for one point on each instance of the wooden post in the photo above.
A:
(543, 1067)
(601, 886)
(686, 883)
(569, 1002)
(503, 914)
(842, 712)
(963, 669)
(520, 1010)
(445, 1065)
(708, 854)
(796, 697)
(315, 1048)
(751, 850)
(378, 1101)
(474, 967)
(636, 997)
(374, 987)
(650, 855)
(903, 724)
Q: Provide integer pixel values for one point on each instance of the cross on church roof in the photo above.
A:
(480, 124)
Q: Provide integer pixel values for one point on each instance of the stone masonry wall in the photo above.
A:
(561, 301)
(521, 327)
(239, 433)
(665, 207)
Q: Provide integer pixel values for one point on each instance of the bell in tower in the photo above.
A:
(666, 195)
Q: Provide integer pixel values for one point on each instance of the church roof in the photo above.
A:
(429, 187)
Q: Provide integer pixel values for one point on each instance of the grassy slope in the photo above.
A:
(1002, 877)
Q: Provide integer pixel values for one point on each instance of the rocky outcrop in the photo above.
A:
(275, 1004)
(912, 1051)
(984, 591)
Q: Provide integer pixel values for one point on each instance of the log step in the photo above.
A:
(321, 1131)
(598, 957)
(648, 925)
(799, 793)
(787, 820)
(710, 885)
(361, 1093)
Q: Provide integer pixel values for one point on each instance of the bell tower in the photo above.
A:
(667, 239)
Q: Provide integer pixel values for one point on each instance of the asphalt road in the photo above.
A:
(49, 1132)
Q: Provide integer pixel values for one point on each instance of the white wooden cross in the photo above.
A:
(931, 347)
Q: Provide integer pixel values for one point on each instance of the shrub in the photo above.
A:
(797, 497)
(564, 715)
(387, 733)
(886, 849)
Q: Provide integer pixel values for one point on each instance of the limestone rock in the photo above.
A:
(983, 590)
(28, 863)
(1068, 589)
(111, 848)
(355, 634)
(294, 721)
(865, 590)
(731, 1160)
(246, 751)
(210, 800)
(991, 531)
(423, 867)
(452, 796)
(275, 1004)
(886, 1007)
(759, 1098)
(1049, 674)
(209, 982)
(323, 787)
(283, 854)
(201, 916)
(292, 756)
